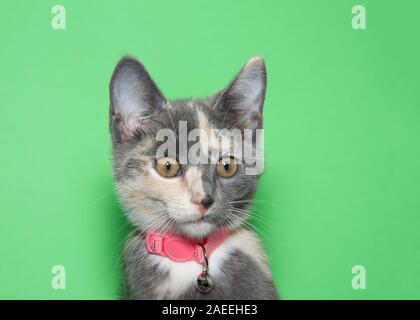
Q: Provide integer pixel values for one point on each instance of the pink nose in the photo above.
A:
(203, 203)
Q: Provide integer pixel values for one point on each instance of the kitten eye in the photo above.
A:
(167, 167)
(226, 167)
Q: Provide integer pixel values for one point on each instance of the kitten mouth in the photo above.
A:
(201, 220)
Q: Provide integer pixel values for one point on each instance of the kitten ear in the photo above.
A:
(245, 95)
(134, 97)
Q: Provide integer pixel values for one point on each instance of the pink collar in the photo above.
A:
(181, 249)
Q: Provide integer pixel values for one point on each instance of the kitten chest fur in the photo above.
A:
(180, 277)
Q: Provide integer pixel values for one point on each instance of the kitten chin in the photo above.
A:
(200, 229)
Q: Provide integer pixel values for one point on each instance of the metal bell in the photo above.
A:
(204, 281)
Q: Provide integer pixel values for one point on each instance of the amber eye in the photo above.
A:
(167, 167)
(226, 167)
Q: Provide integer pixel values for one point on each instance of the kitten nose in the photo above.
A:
(207, 201)
(203, 203)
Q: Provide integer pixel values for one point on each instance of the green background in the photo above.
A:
(342, 128)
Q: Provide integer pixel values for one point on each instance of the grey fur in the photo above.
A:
(134, 129)
(242, 278)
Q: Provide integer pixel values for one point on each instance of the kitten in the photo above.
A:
(186, 204)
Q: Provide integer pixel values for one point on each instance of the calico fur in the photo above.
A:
(138, 112)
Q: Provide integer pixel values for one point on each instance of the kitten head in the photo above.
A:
(183, 166)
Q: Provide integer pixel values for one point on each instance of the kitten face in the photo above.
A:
(165, 191)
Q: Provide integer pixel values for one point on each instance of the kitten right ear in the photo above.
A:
(134, 97)
(244, 97)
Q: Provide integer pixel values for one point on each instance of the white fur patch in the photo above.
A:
(216, 142)
(194, 182)
(205, 138)
(181, 276)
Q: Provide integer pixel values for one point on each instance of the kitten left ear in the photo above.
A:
(245, 95)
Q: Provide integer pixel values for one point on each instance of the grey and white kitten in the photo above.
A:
(138, 111)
